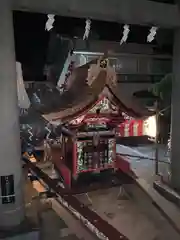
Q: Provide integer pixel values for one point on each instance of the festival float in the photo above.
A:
(92, 110)
(81, 126)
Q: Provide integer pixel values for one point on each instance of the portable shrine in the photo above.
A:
(92, 108)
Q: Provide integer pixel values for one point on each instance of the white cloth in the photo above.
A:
(87, 29)
(152, 34)
(125, 34)
(23, 99)
(50, 21)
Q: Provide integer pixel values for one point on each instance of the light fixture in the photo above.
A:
(151, 126)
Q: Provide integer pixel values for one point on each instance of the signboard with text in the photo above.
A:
(7, 189)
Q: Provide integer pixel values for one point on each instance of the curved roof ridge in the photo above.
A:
(80, 96)
(128, 103)
(85, 100)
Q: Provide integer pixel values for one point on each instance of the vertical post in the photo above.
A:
(175, 114)
(11, 194)
(156, 140)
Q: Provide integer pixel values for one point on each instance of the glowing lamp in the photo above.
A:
(151, 126)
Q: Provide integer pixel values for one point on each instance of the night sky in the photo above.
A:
(31, 38)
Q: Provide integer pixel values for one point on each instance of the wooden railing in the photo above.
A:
(102, 229)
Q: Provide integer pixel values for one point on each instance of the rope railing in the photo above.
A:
(141, 157)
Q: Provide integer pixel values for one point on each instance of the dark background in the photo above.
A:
(32, 41)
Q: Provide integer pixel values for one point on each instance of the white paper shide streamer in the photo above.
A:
(23, 99)
(125, 34)
(87, 29)
(50, 21)
(152, 34)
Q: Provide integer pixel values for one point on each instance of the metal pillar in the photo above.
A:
(175, 117)
(11, 193)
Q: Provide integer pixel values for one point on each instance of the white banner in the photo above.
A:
(23, 99)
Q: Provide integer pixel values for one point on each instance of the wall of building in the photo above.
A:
(136, 66)
(128, 59)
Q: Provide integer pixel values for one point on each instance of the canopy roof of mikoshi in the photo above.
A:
(84, 87)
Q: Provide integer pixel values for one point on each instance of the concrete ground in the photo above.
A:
(145, 167)
(54, 224)
(126, 216)
(114, 206)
